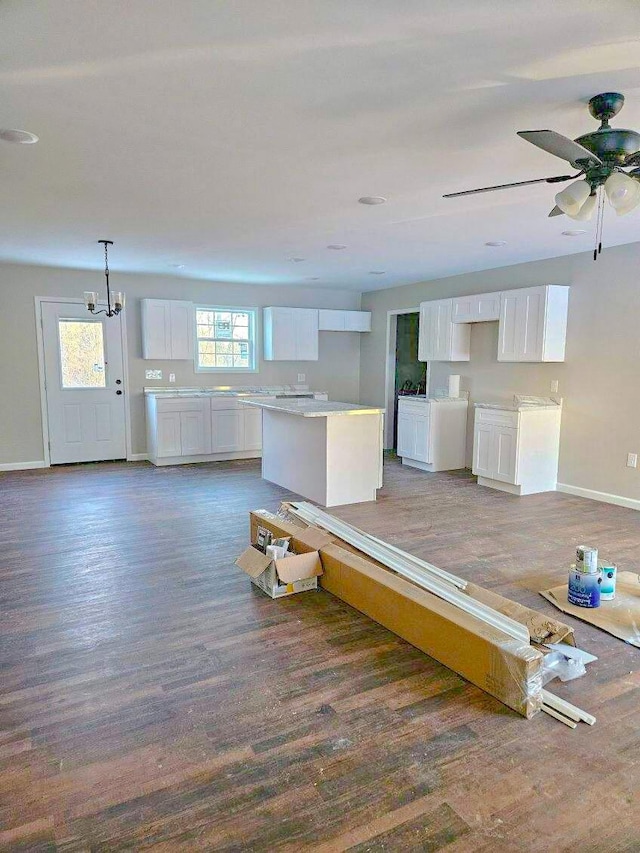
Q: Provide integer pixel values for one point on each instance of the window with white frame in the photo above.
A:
(225, 339)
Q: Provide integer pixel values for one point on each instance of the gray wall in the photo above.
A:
(337, 371)
(598, 380)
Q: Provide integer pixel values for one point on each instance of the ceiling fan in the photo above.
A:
(601, 158)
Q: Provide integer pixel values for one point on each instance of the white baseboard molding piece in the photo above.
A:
(21, 466)
(557, 716)
(137, 457)
(604, 497)
(566, 708)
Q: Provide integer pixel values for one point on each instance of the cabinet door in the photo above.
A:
(168, 431)
(193, 434)
(156, 329)
(505, 444)
(521, 330)
(483, 450)
(406, 436)
(306, 334)
(426, 332)
(421, 441)
(443, 330)
(331, 320)
(252, 429)
(488, 306)
(227, 431)
(464, 309)
(182, 320)
(279, 334)
(357, 321)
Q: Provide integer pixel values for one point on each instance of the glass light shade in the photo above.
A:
(571, 199)
(117, 300)
(623, 192)
(90, 298)
(586, 211)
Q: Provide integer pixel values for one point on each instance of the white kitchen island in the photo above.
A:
(330, 453)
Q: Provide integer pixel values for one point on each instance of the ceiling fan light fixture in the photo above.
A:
(586, 211)
(623, 192)
(571, 199)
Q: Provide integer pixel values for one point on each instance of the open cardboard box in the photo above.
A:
(296, 573)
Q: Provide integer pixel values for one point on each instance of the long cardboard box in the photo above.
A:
(488, 658)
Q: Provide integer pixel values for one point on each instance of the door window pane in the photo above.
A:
(81, 354)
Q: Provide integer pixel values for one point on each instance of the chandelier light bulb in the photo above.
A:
(623, 192)
(571, 199)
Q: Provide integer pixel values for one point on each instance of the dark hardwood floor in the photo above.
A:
(152, 698)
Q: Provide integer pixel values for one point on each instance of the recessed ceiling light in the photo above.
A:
(377, 272)
(336, 246)
(496, 243)
(297, 260)
(313, 278)
(574, 233)
(21, 137)
(177, 266)
(372, 199)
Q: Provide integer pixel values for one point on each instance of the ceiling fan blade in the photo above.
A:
(561, 146)
(508, 186)
(556, 211)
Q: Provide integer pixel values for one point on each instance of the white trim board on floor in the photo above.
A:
(22, 466)
(603, 497)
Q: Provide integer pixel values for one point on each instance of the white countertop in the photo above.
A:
(313, 408)
(227, 391)
(519, 405)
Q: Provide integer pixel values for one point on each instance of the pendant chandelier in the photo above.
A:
(115, 300)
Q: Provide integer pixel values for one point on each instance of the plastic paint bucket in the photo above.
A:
(608, 587)
(583, 589)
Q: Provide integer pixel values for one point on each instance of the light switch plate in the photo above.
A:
(632, 460)
(153, 374)
(554, 386)
(172, 377)
(302, 377)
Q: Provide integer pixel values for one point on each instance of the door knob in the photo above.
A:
(118, 391)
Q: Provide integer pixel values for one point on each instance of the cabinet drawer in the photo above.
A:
(218, 403)
(497, 416)
(418, 406)
(187, 404)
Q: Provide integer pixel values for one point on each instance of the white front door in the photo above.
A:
(84, 384)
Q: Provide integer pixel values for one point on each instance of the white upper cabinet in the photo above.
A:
(439, 339)
(291, 334)
(533, 323)
(331, 320)
(167, 329)
(478, 308)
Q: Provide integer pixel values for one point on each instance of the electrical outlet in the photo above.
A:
(302, 377)
(172, 377)
(554, 386)
(153, 374)
(632, 460)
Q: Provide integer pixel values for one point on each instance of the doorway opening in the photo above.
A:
(405, 374)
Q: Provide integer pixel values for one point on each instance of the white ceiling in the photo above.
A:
(233, 136)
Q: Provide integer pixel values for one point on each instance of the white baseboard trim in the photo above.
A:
(21, 466)
(605, 497)
(137, 457)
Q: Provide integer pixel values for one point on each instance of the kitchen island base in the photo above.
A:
(329, 460)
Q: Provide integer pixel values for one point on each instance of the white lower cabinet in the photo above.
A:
(252, 429)
(201, 429)
(180, 428)
(432, 433)
(227, 430)
(517, 451)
